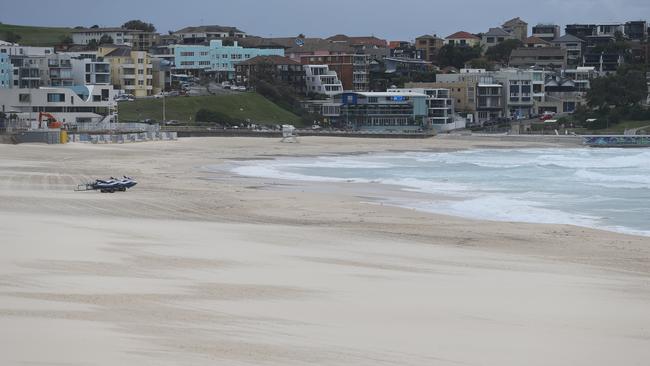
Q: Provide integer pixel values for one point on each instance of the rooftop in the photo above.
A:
(497, 32)
(462, 35)
(272, 60)
(209, 29)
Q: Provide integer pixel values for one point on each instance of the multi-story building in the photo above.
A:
(544, 57)
(429, 46)
(218, 58)
(581, 31)
(603, 62)
(581, 77)
(372, 46)
(352, 70)
(405, 49)
(517, 27)
(321, 80)
(374, 111)
(137, 39)
(494, 36)
(463, 92)
(440, 108)
(489, 100)
(406, 66)
(6, 71)
(130, 70)
(547, 32)
(518, 90)
(463, 39)
(89, 72)
(574, 47)
(60, 71)
(207, 33)
(636, 30)
(273, 69)
(29, 64)
(70, 105)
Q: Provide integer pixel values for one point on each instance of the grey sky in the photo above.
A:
(390, 19)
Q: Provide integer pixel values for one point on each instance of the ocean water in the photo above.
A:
(602, 188)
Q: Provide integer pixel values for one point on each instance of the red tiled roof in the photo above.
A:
(535, 40)
(462, 35)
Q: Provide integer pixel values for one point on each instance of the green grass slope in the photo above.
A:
(36, 36)
(239, 106)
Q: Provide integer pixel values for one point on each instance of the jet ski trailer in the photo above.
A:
(110, 185)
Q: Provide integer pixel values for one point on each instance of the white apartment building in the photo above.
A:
(321, 80)
(84, 36)
(89, 72)
(70, 105)
(440, 108)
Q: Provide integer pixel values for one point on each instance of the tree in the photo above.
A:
(12, 37)
(92, 44)
(501, 52)
(137, 24)
(106, 39)
(67, 41)
(480, 63)
(457, 56)
(94, 26)
(624, 89)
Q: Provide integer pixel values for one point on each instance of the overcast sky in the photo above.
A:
(390, 19)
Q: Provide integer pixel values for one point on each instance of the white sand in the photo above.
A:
(193, 268)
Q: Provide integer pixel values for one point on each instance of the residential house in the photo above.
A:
(573, 46)
(130, 70)
(494, 36)
(321, 80)
(463, 39)
(429, 46)
(581, 77)
(517, 27)
(547, 32)
(278, 70)
(535, 42)
(544, 57)
(206, 33)
(378, 111)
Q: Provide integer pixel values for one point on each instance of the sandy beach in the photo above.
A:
(197, 266)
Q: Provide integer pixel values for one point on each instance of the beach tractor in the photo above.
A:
(51, 121)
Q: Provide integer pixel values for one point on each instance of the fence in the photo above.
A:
(120, 138)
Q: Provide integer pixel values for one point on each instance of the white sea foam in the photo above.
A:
(605, 188)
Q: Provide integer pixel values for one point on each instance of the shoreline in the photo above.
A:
(253, 271)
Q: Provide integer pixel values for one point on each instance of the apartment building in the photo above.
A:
(321, 80)
(217, 58)
(518, 90)
(378, 111)
(581, 77)
(429, 46)
(461, 91)
(6, 71)
(547, 32)
(494, 36)
(131, 71)
(372, 46)
(636, 30)
(59, 70)
(29, 64)
(88, 71)
(207, 33)
(70, 105)
(517, 27)
(440, 108)
(274, 69)
(352, 70)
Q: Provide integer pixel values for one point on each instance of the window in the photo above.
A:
(490, 40)
(183, 54)
(140, 82)
(140, 60)
(140, 72)
(55, 97)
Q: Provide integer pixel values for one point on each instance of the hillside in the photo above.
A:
(236, 106)
(35, 36)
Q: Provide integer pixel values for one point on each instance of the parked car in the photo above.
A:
(546, 116)
(172, 123)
